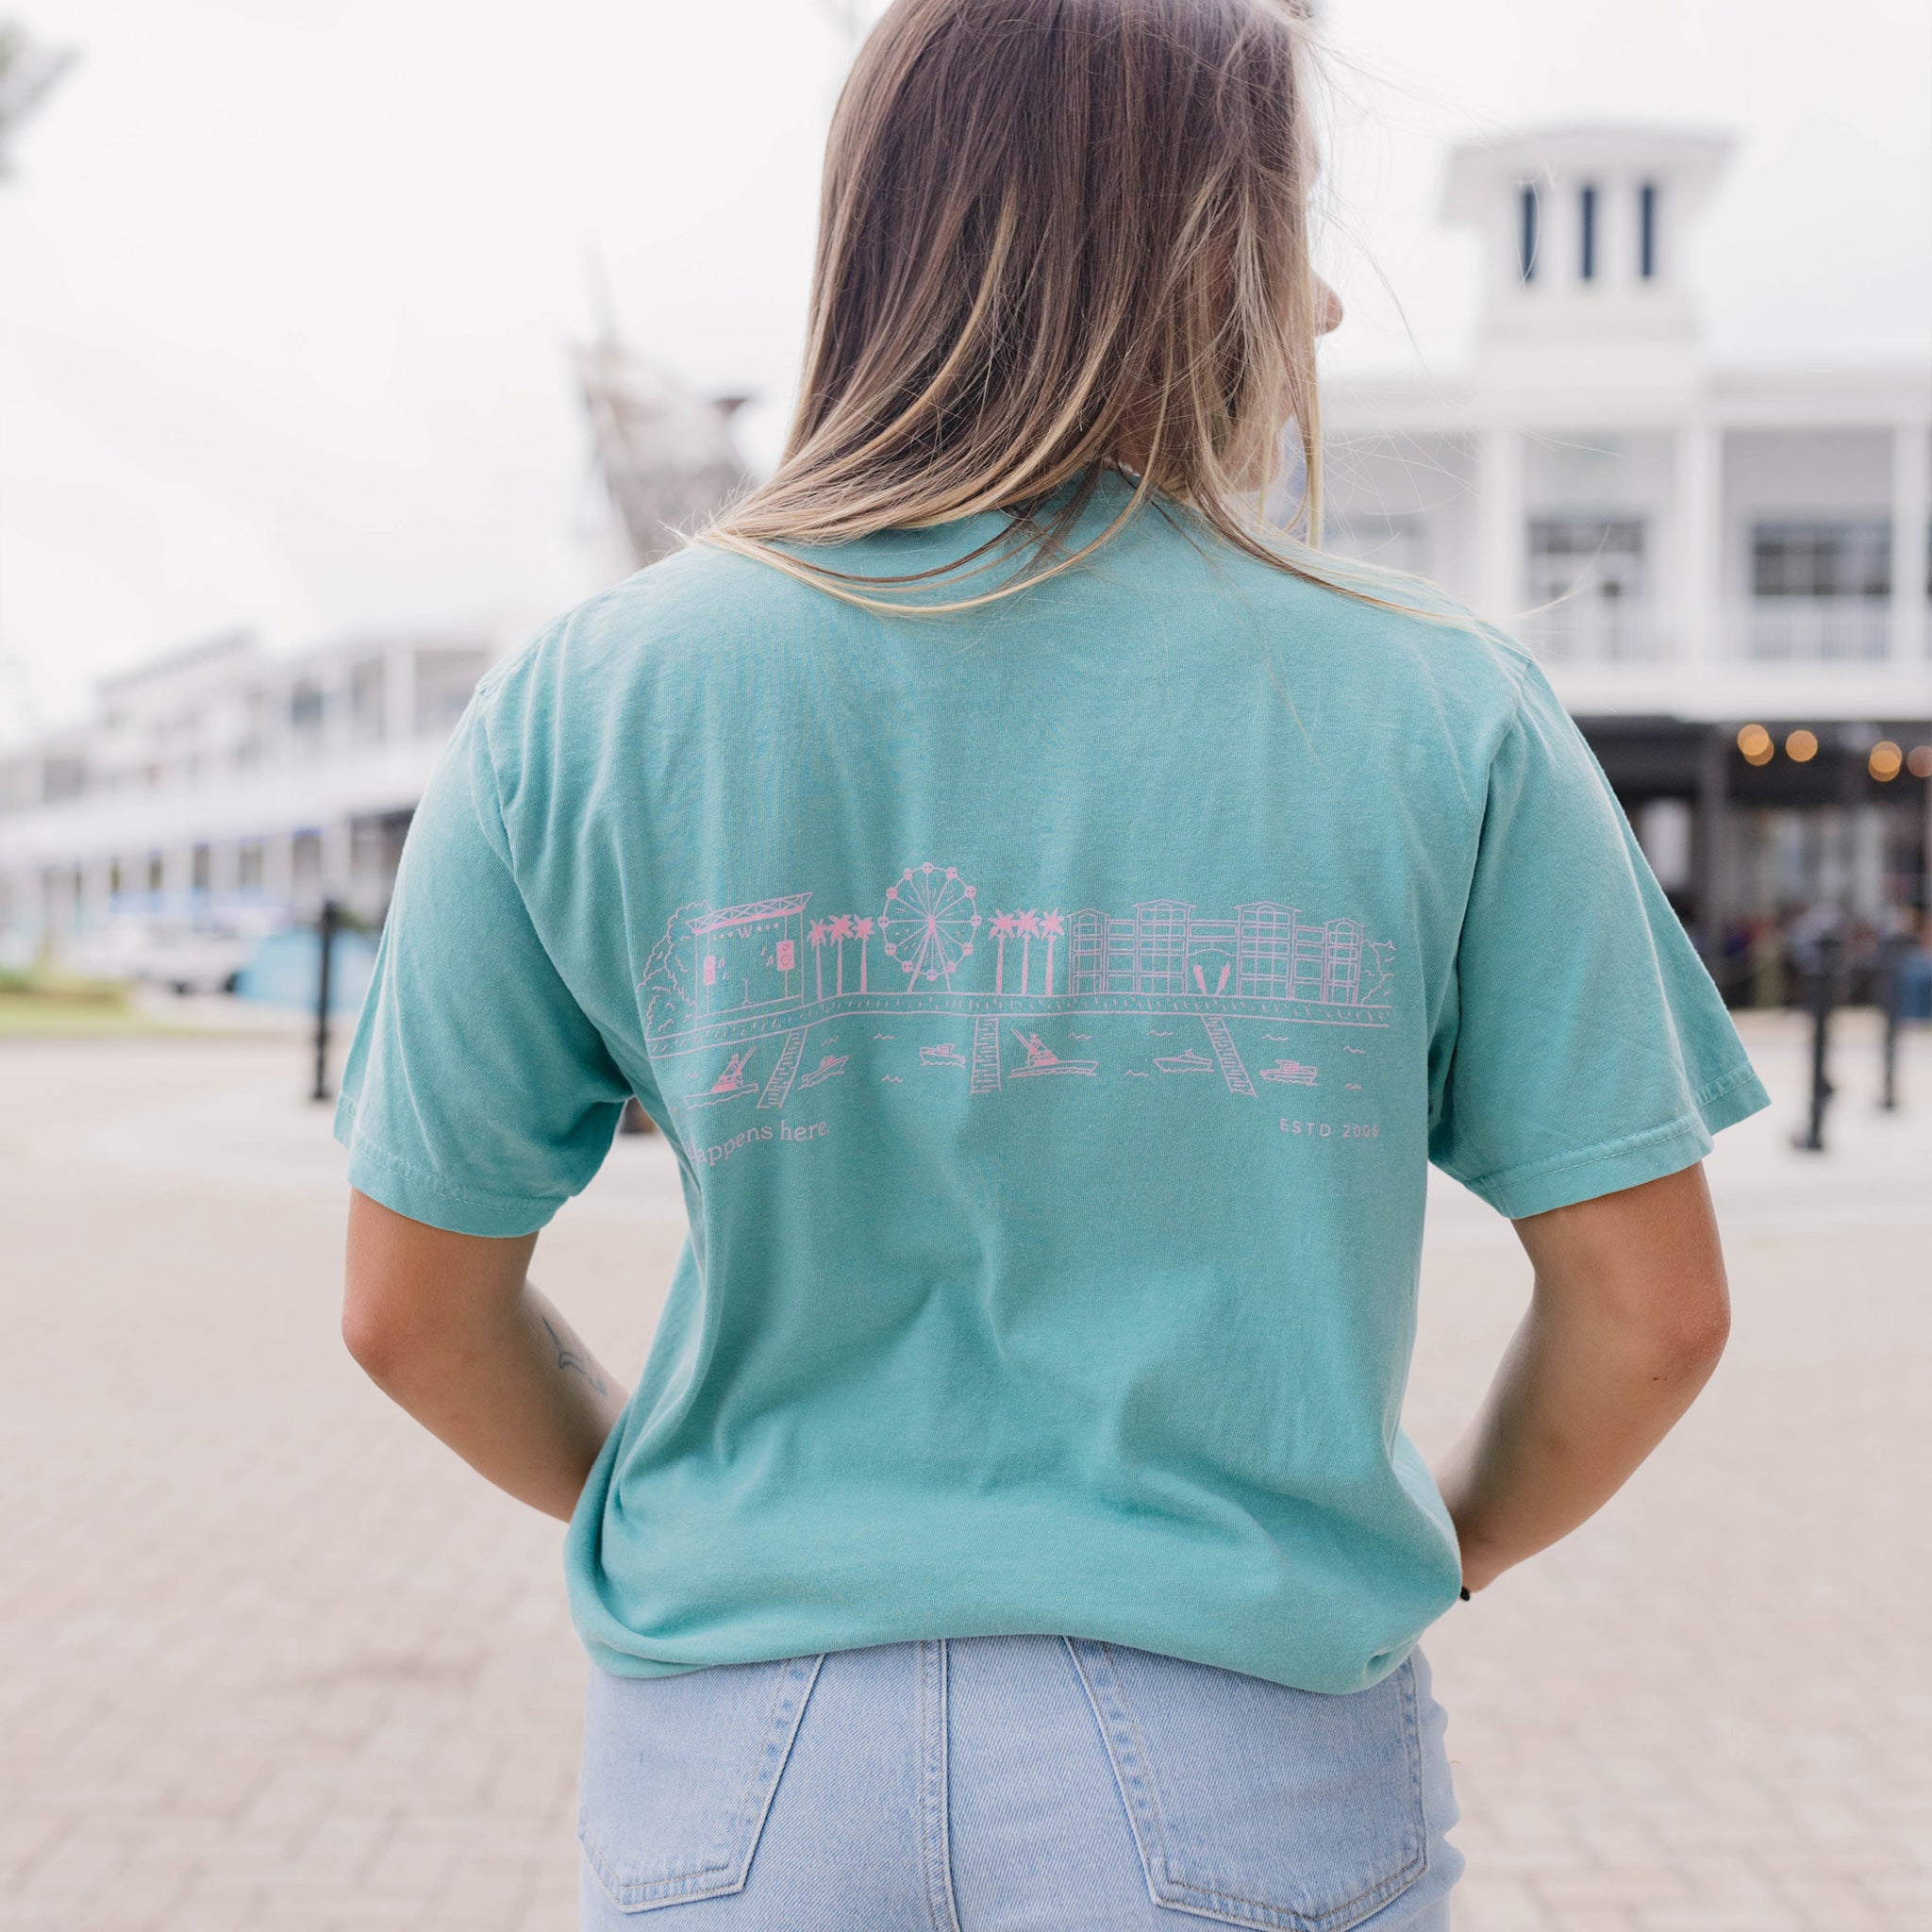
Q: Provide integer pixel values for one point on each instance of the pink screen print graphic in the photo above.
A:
(733, 993)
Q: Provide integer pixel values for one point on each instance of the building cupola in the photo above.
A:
(1585, 232)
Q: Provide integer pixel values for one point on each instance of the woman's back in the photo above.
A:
(1054, 1007)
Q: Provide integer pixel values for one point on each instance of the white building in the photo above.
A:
(224, 775)
(223, 780)
(1691, 550)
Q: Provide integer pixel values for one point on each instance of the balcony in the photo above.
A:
(1596, 630)
(1813, 630)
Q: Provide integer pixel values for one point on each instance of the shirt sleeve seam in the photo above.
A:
(1502, 1180)
(1717, 1090)
(360, 1144)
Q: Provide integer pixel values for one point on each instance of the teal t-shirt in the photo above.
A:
(1053, 1010)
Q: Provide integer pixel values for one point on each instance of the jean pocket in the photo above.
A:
(1258, 1805)
(679, 1773)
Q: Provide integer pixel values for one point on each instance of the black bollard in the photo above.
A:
(326, 927)
(1893, 949)
(1820, 994)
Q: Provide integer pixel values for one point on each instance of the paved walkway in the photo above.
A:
(270, 1659)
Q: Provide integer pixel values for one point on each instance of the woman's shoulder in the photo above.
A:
(690, 616)
(1391, 633)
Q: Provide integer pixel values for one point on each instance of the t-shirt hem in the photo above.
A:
(1629, 1160)
(408, 1191)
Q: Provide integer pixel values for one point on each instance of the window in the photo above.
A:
(366, 701)
(1820, 590)
(1647, 231)
(1527, 233)
(1590, 570)
(305, 704)
(1821, 559)
(1586, 221)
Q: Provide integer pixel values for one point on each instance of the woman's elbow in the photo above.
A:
(1689, 1335)
(377, 1330)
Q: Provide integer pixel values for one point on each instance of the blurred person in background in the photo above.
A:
(1011, 1526)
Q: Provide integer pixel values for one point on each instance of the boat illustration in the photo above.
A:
(729, 1085)
(829, 1068)
(1290, 1073)
(1187, 1062)
(945, 1055)
(1042, 1059)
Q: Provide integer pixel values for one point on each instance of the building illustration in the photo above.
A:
(732, 990)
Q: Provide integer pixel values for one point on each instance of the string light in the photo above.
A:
(1801, 747)
(1885, 760)
(1753, 741)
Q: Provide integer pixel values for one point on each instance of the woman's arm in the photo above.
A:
(1629, 1317)
(447, 1326)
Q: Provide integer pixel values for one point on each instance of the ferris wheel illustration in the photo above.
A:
(929, 923)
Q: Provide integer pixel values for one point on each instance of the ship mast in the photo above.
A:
(664, 451)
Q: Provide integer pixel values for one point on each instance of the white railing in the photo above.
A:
(1813, 630)
(1595, 630)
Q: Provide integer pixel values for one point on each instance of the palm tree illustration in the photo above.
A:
(841, 931)
(816, 939)
(1050, 925)
(1029, 931)
(1004, 927)
(861, 931)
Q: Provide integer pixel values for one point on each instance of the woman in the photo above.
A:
(1056, 918)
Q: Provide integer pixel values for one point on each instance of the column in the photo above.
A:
(1501, 540)
(1698, 547)
(1911, 508)
(399, 695)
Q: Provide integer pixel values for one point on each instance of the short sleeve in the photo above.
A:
(1585, 1048)
(477, 1096)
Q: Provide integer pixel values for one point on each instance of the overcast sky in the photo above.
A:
(286, 286)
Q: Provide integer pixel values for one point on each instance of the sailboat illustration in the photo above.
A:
(729, 1085)
(1290, 1073)
(1043, 1060)
(828, 1067)
(1187, 1062)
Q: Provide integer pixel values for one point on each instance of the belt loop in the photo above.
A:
(935, 1834)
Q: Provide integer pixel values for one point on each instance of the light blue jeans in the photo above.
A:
(1011, 1784)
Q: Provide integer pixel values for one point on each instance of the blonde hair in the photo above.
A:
(1057, 238)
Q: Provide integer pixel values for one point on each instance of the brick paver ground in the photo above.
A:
(271, 1659)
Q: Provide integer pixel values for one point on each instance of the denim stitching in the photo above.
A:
(1186, 1896)
(934, 1835)
(699, 1882)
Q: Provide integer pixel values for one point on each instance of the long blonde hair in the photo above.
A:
(1057, 238)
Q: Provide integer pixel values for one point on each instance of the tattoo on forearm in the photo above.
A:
(572, 1357)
